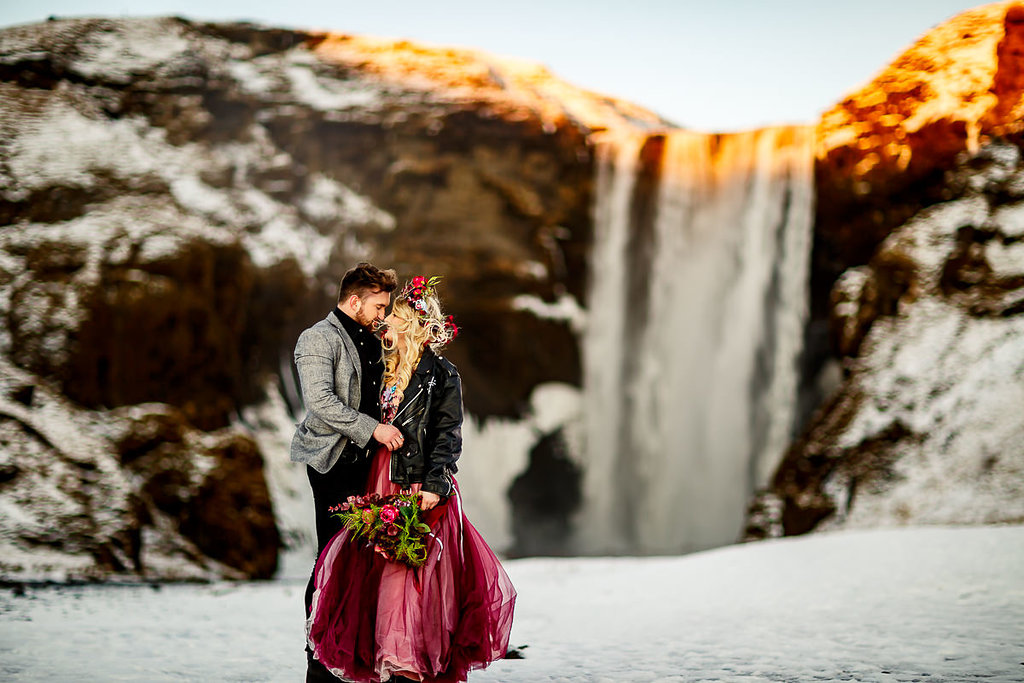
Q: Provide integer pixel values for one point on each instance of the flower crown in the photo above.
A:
(415, 292)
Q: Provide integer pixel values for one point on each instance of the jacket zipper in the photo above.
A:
(407, 404)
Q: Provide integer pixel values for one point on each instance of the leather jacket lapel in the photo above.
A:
(413, 395)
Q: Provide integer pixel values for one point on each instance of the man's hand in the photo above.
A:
(428, 500)
(388, 435)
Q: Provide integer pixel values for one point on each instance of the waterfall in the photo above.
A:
(617, 159)
(697, 303)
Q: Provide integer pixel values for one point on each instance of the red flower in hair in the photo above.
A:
(450, 324)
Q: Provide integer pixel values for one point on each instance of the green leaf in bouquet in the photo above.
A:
(406, 541)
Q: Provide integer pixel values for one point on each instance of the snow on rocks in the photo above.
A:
(125, 494)
(926, 426)
(956, 386)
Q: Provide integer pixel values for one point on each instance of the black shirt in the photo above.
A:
(371, 364)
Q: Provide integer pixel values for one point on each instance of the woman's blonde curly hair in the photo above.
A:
(420, 327)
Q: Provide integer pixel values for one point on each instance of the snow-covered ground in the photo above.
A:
(904, 604)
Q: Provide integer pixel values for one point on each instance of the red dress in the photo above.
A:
(372, 618)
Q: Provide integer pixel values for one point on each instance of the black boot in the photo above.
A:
(317, 672)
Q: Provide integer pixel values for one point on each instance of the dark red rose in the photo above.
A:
(389, 513)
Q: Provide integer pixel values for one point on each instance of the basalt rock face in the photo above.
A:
(926, 426)
(135, 492)
(883, 152)
(179, 200)
(918, 277)
(279, 159)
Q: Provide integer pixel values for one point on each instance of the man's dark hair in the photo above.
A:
(365, 279)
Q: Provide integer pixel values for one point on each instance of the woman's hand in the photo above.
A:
(428, 500)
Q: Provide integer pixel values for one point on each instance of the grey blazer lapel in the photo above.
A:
(350, 346)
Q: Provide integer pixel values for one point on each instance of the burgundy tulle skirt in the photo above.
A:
(372, 618)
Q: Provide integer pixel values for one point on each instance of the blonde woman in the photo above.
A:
(375, 619)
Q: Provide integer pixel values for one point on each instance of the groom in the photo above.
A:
(340, 368)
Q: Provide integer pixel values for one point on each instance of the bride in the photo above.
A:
(375, 619)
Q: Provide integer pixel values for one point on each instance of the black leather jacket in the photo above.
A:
(430, 417)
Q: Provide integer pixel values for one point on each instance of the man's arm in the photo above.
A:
(314, 360)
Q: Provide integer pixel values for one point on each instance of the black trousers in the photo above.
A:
(347, 478)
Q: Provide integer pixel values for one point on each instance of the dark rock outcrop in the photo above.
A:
(134, 492)
(544, 498)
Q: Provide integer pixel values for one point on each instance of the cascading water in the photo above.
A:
(697, 304)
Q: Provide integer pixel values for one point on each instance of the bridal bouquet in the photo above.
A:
(391, 524)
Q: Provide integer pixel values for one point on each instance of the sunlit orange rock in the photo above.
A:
(514, 89)
(882, 152)
(959, 82)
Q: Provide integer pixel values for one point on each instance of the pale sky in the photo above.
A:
(715, 66)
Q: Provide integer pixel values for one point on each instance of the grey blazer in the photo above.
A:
(330, 377)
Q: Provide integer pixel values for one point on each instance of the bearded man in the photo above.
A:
(340, 365)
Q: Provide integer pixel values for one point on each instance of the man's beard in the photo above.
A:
(365, 320)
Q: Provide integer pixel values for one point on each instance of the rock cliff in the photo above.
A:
(919, 275)
(179, 200)
(882, 152)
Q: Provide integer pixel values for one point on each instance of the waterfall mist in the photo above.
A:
(697, 305)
